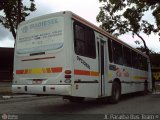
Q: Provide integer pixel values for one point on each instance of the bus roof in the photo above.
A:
(103, 32)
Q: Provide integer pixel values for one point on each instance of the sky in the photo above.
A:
(88, 9)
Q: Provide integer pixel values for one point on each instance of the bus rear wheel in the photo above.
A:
(145, 88)
(116, 93)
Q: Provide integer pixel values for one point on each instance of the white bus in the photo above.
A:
(63, 54)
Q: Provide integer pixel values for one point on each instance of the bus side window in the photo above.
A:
(127, 56)
(110, 50)
(84, 40)
(140, 66)
(134, 60)
(145, 64)
(79, 40)
(117, 53)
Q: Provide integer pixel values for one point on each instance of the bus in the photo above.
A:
(64, 54)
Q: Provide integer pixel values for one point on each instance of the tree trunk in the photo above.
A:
(145, 46)
(10, 23)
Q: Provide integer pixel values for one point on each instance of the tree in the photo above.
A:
(14, 13)
(122, 16)
(142, 49)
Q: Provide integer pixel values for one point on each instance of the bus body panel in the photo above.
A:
(46, 68)
(43, 89)
(55, 67)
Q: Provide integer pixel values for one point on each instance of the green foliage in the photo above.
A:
(121, 16)
(14, 13)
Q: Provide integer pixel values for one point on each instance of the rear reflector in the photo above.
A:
(67, 76)
(52, 88)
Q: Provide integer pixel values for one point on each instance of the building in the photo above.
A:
(155, 62)
(6, 64)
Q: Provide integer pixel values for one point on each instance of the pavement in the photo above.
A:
(5, 88)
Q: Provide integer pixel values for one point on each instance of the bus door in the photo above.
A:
(102, 65)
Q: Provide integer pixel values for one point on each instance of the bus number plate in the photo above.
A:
(37, 81)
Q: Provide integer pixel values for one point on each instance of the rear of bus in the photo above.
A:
(40, 60)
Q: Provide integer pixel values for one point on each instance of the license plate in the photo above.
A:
(37, 81)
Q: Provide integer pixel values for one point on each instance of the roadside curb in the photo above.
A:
(156, 93)
(12, 99)
(5, 91)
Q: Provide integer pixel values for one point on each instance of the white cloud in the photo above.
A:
(6, 39)
(87, 9)
(7, 43)
(152, 41)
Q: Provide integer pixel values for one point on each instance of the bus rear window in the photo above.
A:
(40, 36)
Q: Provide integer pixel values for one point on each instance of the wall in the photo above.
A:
(6, 64)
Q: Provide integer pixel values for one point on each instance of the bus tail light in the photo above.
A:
(68, 71)
(68, 76)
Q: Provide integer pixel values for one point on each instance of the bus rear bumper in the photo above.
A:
(42, 89)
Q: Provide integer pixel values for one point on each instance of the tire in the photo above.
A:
(145, 92)
(116, 93)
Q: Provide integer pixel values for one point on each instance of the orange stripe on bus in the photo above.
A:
(140, 78)
(44, 70)
(48, 70)
(144, 78)
(26, 71)
(84, 72)
(93, 73)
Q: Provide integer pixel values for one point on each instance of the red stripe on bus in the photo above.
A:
(56, 69)
(81, 72)
(84, 72)
(19, 71)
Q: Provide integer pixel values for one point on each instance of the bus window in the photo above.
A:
(84, 41)
(127, 56)
(135, 62)
(40, 36)
(145, 64)
(110, 50)
(117, 53)
(140, 60)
